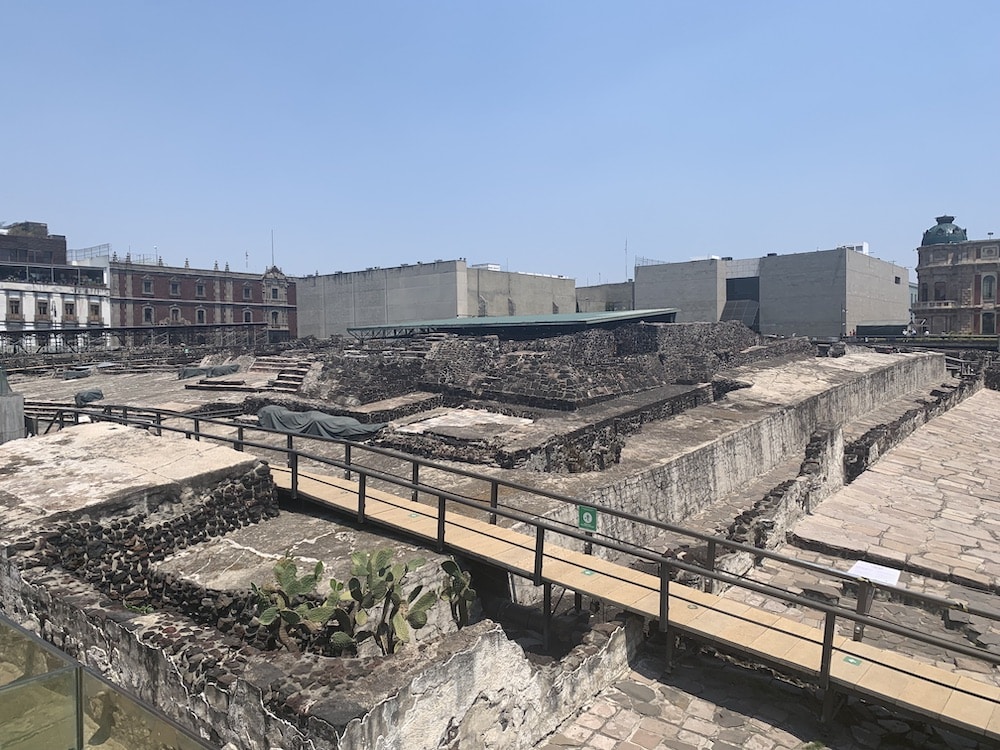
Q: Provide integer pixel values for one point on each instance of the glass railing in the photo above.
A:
(50, 701)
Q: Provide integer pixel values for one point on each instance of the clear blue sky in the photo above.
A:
(536, 135)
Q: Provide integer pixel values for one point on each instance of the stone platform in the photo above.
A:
(113, 468)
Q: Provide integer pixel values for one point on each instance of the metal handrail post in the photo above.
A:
(866, 593)
(539, 553)
(415, 493)
(547, 622)
(289, 447)
(293, 464)
(239, 439)
(494, 500)
(709, 586)
(829, 631)
(347, 460)
(664, 624)
(441, 511)
(362, 482)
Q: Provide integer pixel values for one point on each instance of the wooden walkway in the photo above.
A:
(884, 677)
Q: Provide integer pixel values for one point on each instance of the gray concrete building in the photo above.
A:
(330, 304)
(826, 293)
(613, 297)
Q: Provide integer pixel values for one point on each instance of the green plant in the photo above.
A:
(371, 605)
(285, 608)
(382, 612)
(142, 609)
(458, 592)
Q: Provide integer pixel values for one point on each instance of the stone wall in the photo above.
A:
(863, 452)
(483, 693)
(87, 582)
(592, 447)
(473, 689)
(829, 464)
(560, 372)
(685, 484)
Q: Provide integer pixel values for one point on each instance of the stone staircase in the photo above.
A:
(289, 372)
(415, 347)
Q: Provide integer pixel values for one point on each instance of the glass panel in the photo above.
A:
(39, 712)
(22, 656)
(113, 719)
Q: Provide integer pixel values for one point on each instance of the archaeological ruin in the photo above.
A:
(144, 532)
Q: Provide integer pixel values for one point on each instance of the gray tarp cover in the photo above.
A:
(85, 397)
(73, 374)
(208, 372)
(315, 423)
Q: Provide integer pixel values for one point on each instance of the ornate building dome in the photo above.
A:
(945, 232)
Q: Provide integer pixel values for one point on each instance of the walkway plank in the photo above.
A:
(856, 667)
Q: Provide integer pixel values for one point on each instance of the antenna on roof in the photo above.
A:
(272, 248)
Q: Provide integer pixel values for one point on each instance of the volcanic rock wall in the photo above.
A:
(560, 372)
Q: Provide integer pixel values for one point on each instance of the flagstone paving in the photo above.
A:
(929, 508)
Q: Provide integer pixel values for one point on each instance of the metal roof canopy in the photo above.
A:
(516, 326)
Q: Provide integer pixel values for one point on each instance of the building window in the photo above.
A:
(199, 316)
(175, 315)
(923, 292)
(246, 292)
(896, 280)
(14, 308)
(199, 290)
(247, 316)
(989, 324)
(69, 309)
(95, 311)
(274, 319)
(989, 288)
(940, 291)
(274, 292)
(147, 286)
(42, 308)
(175, 289)
(147, 315)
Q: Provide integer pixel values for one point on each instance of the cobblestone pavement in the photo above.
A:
(708, 704)
(928, 504)
(927, 507)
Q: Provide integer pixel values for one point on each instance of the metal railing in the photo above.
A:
(545, 529)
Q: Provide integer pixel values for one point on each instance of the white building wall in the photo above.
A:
(59, 300)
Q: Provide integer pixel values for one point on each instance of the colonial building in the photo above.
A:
(46, 302)
(52, 299)
(152, 294)
(956, 281)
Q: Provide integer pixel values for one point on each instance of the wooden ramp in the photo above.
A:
(856, 668)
